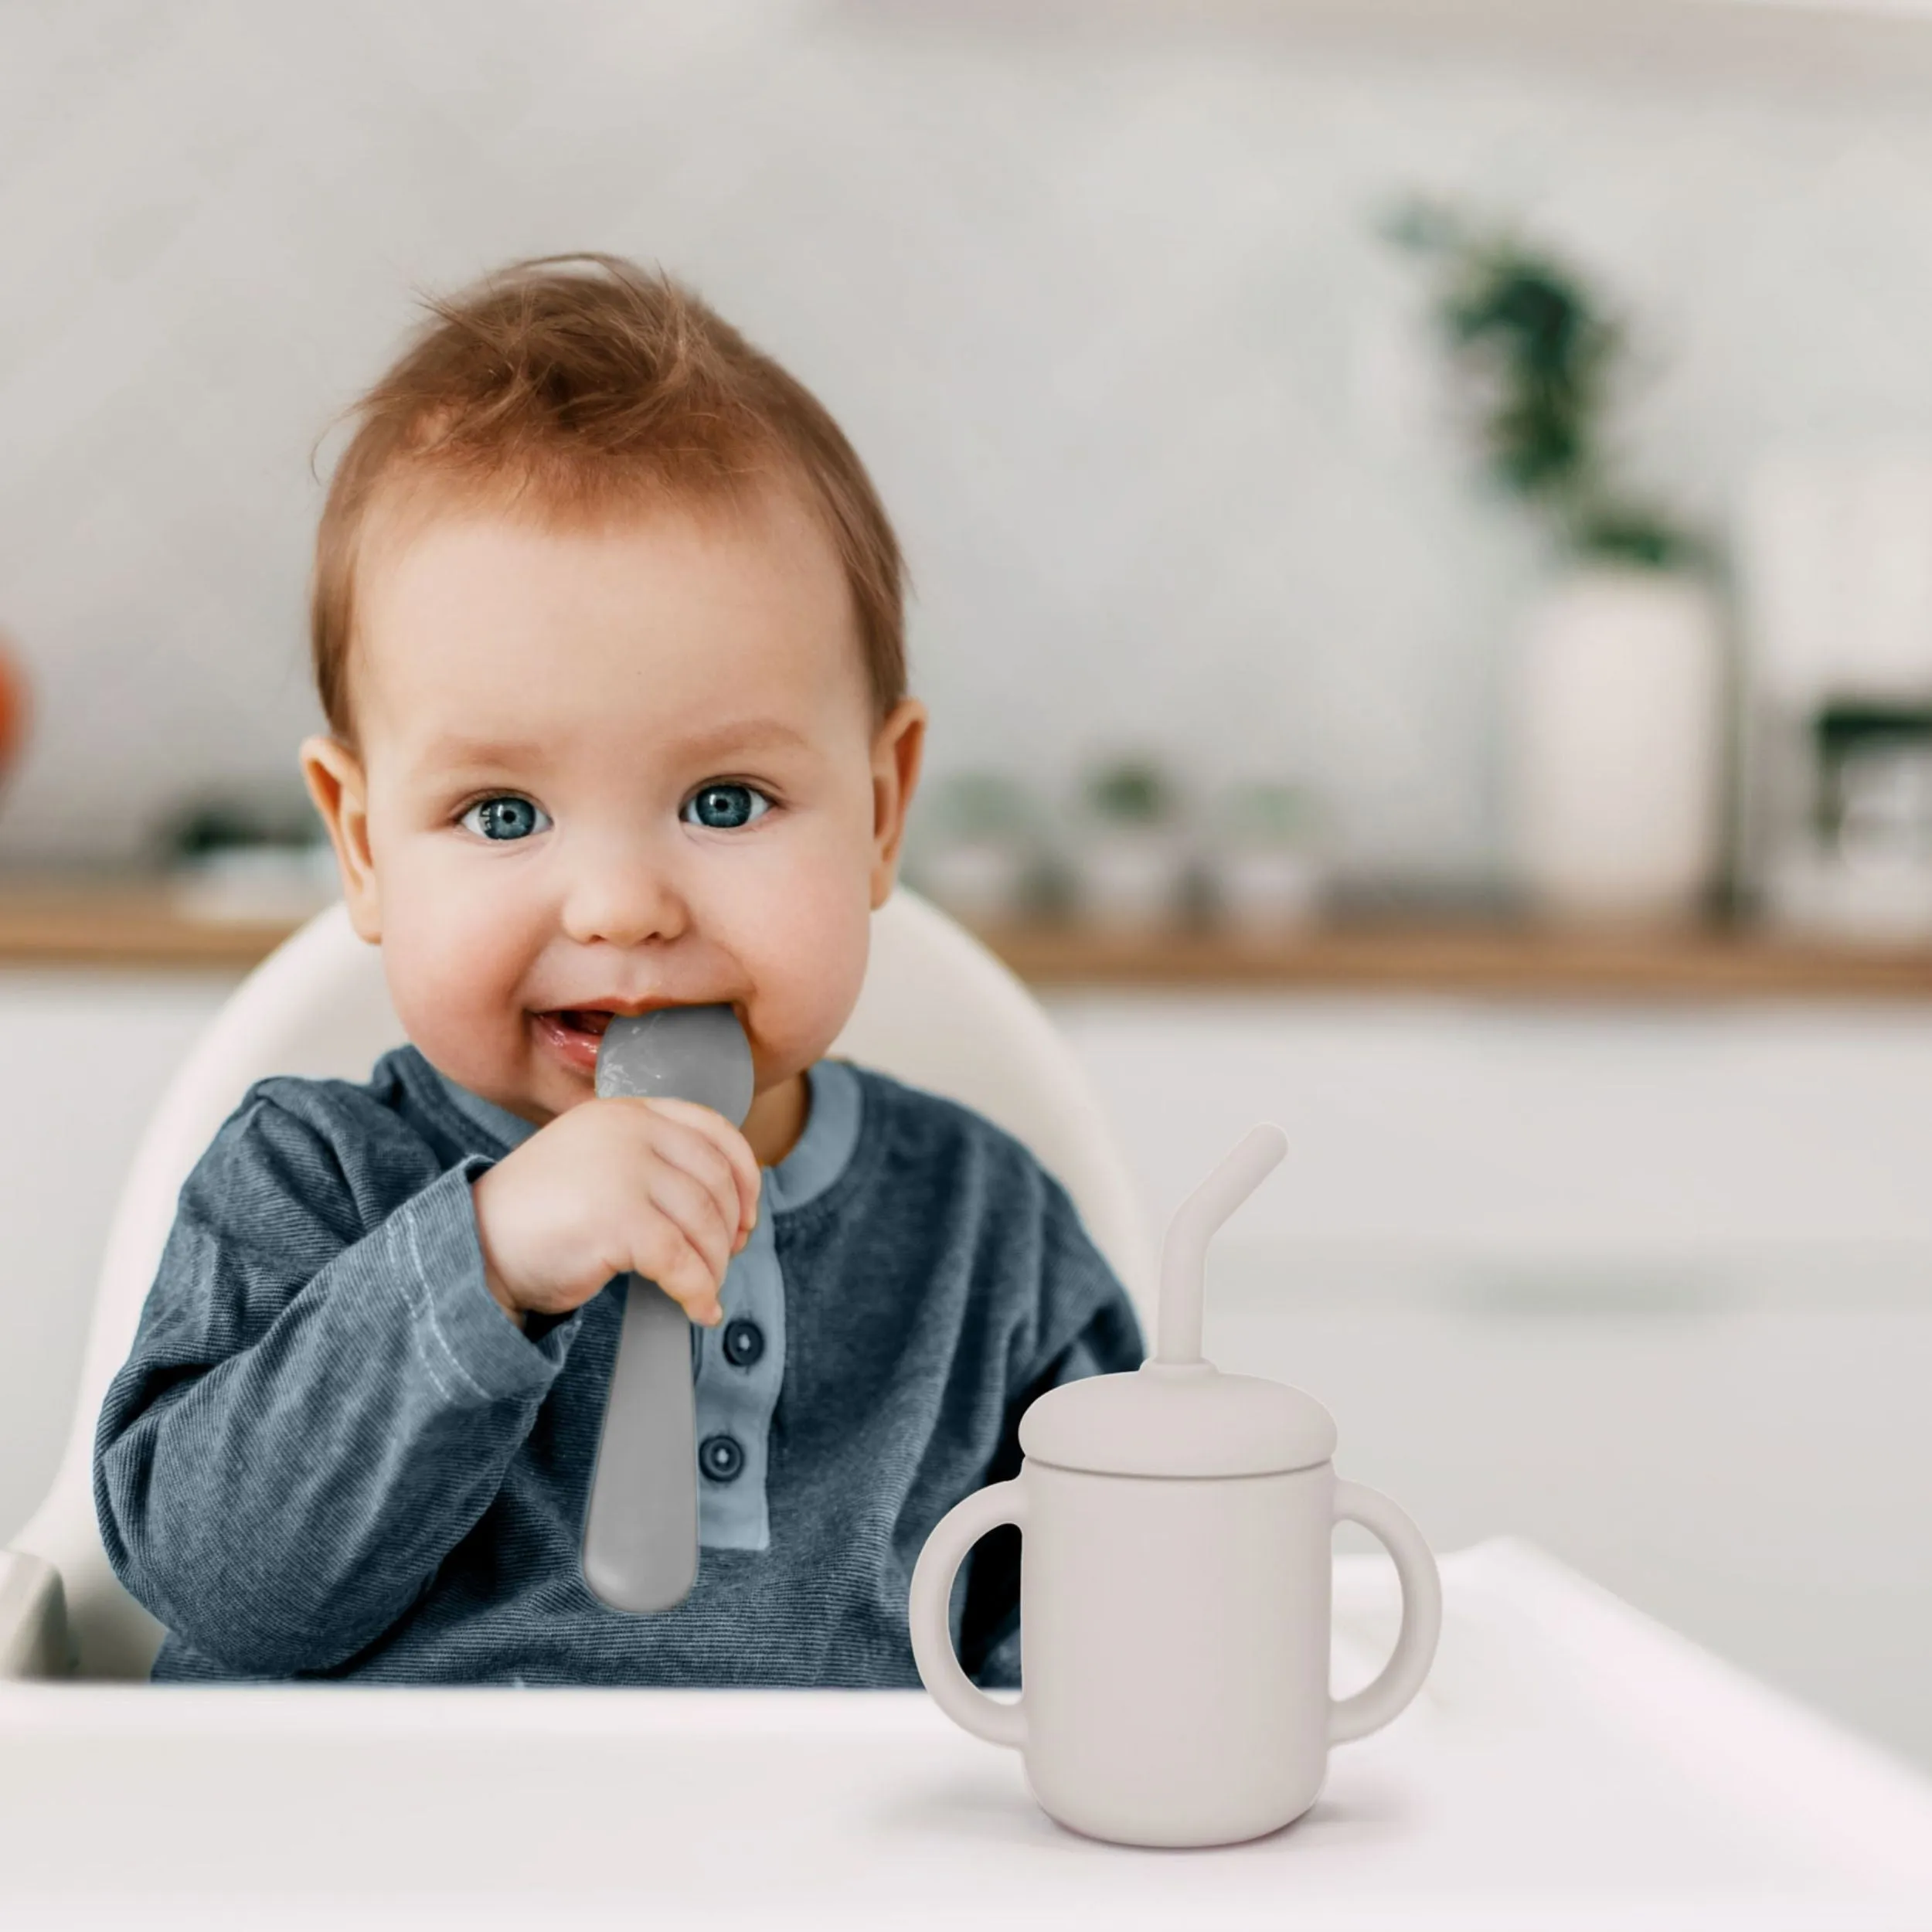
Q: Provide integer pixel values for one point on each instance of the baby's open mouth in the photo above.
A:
(573, 1034)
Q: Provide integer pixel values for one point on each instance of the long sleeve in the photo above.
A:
(316, 1411)
(1085, 1326)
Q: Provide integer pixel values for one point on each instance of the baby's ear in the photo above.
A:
(336, 782)
(898, 747)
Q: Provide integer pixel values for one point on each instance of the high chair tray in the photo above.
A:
(1570, 1764)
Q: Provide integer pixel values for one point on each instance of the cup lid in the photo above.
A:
(1178, 1419)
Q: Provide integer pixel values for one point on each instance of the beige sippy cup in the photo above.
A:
(1174, 1582)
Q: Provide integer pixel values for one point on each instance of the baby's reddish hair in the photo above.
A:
(583, 386)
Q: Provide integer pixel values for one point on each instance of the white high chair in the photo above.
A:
(936, 1009)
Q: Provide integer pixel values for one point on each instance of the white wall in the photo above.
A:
(1095, 294)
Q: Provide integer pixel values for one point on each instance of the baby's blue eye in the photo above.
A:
(509, 816)
(725, 808)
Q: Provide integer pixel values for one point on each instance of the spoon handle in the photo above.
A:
(640, 1531)
(641, 1525)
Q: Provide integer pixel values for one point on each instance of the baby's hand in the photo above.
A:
(664, 1189)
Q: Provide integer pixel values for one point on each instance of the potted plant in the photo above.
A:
(974, 848)
(244, 857)
(1264, 872)
(1130, 859)
(1615, 730)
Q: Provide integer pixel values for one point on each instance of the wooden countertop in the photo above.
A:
(1498, 960)
(137, 924)
(134, 923)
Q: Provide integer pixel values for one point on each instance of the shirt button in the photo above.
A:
(720, 1457)
(744, 1342)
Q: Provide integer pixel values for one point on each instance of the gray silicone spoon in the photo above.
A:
(641, 1531)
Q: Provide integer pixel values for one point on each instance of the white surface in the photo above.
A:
(1568, 1766)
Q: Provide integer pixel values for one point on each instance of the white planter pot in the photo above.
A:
(981, 881)
(1263, 889)
(250, 884)
(1131, 880)
(1616, 745)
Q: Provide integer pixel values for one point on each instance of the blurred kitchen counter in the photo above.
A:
(140, 923)
(52, 920)
(1495, 959)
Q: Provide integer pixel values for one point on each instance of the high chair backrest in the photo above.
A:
(936, 1010)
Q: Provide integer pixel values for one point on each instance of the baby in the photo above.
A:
(608, 634)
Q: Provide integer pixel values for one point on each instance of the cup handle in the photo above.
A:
(1403, 1675)
(953, 1691)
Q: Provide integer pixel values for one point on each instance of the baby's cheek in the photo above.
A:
(452, 972)
(809, 976)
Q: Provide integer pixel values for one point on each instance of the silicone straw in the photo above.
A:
(1184, 1254)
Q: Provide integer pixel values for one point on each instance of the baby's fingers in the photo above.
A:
(699, 1211)
(663, 1252)
(699, 1134)
(678, 1147)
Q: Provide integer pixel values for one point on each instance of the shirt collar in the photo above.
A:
(821, 1154)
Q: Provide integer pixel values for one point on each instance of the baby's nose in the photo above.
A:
(623, 902)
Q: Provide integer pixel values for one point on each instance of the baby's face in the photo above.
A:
(606, 770)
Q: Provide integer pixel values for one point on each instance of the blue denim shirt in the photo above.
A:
(330, 1453)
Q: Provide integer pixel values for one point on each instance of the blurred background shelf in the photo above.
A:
(1492, 958)
(133, 922)
(139, 923)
